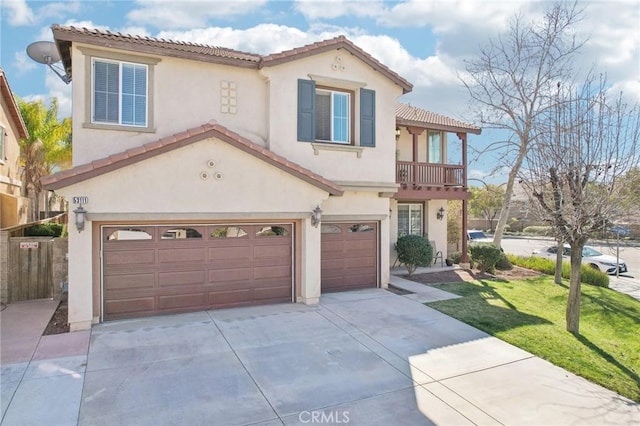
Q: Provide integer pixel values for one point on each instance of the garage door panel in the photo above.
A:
(177, 255)
(182, 301)
(232, 274)
(176, 279)
(195, 267)
(130, 306)
(230, 297)
(272, 272)
(279, 294)
(130, 281)
(349, 254)
(129, 257)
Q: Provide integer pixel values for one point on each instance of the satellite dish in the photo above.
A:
(46, 52)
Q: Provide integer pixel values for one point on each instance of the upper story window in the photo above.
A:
(119, 90)
(435, 147)
(326, 114)
(333, 116)
(119, 93)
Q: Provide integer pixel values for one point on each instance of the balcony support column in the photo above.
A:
(415, 132)
(464, 260)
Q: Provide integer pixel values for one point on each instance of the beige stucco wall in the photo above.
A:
(186, 94)
(375, 164)
(13, 207)
(170, 187)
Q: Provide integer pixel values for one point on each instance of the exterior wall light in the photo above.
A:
(440, 213)
(81, 214)
(397, 133)
(316, 216)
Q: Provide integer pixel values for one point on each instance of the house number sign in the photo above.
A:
(80, 200)
(29, 244)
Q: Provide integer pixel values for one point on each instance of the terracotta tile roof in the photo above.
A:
(340, 42)
(65, 35)
(14, 111)
(410, 115)
(134, 155)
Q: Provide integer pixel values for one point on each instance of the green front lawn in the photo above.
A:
(530, 314)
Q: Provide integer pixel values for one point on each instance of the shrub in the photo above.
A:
(588, 275)
(537, 230)
(455, 257)
(44, 230)
(503, 264)
(414, 251)
(486, 255)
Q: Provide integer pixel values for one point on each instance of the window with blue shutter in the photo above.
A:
(367, 117)
(325, 114)
(120, 93)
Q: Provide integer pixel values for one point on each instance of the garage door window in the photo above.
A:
(361, 227)
(180, 234)
(273, 231)
(228, 232)
(129, 234)
(330, 229)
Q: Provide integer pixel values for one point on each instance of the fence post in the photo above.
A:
(4, 267)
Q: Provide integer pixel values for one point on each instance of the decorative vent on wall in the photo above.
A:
(228, 97)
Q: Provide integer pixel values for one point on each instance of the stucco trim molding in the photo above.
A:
(353, 217)
(381, 187)
(9, 181)
(337, 82)
(317, 147)
(173, 217)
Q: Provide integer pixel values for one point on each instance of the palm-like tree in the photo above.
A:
(47, 149)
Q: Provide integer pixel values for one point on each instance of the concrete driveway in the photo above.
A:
(361, 358)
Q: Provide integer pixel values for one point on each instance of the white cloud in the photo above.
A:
(18, 12)
(330, 9)
(189, 13)
(23, 63)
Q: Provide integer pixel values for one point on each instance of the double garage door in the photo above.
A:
(156, 269)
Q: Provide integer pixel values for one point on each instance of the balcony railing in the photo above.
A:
(428, 174)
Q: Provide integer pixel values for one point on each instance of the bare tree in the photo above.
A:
(511, 81)
(576, 177)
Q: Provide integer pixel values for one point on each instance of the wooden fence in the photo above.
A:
(31, 267)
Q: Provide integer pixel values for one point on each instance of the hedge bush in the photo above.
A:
(588, 275)
(414, 251)
(537, 230)
(44, 230)
(503, 264)
(486, 255)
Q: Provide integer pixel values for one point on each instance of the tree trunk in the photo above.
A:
(508, 192)
(573, 304)
(558, 275)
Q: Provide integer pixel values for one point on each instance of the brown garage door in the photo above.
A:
(349, 256)
(151, 270)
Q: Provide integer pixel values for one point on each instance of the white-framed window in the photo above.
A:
(435, 147)
(410, 219)
(2, 144)
(333, 116)
(120, 93)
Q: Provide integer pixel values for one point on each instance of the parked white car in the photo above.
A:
(590, 256)
(477, 236)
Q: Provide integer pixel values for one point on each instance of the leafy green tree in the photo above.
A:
(47, 149)
(486, 202)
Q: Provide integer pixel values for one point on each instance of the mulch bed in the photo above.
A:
(59, 321)
(459, 275)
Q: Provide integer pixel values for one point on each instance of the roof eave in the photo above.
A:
(14, 110)
(434, 126)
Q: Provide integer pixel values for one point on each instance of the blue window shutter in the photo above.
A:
(367, 117)
(306, 110)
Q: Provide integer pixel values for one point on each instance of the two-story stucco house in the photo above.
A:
(14, 208)
(202, 167)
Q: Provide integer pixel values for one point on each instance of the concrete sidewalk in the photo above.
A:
(361, 358)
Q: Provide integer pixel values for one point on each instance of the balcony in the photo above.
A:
(419, 181)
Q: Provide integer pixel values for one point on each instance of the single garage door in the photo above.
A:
(349, 256)
(156, 269)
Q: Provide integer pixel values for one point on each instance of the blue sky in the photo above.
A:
(424, 41)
